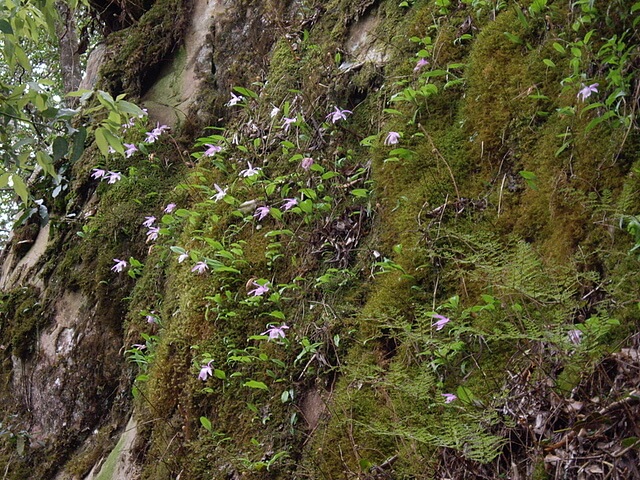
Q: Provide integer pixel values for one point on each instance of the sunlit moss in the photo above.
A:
(456, 216)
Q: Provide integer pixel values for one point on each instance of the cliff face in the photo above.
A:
(389, 241)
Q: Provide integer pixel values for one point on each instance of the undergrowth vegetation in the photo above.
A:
(358, 270)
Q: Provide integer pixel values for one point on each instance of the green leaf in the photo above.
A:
(549, 63)
(60, 147)
(523, 20)
(255, 384)
(206, 423)
(453, 83)
(246, 92)
(20, 187)
(277, 314)
(588, 35)
(224, 268)
(514, 38)
(360, 192)
(368, 141)
(4, 179)
(464, 394)
(106, 99)
(101, 140)
(275, 213)
(46, 162)
(306, 206)
(114, 120)
(403, 153)
(8, 52)
(562, 148)
(591, 107)
(128, 107)
(5, 27)
(219, 374)
(329, 175)
(79, 138)
(598, 120)
(22, 58)
(537, 6)
(114, 142)
(530, 178)
(434, 73)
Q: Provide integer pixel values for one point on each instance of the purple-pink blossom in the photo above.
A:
(205, 371)
(287, 123)
(182, 257)
(113, 177)
(119, 266)
(442, 321)
(276, 332)
(259, 290)
(423, 62)
(289, 203)
(139, 346)
(152, 234)
(250, 171)
(392, 138)
(98, 173)
(200, 268)
(338, 114)
(149, 221)
(154, 134)
(222, 192)
(449, 397)
(129, 124)
(152, 318)
(306, 163)
(211, 150)
(261, 212)
(235, 99)
(169, 208)
(587, 90)
(131, 149)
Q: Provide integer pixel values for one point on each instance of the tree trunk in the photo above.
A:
(68, 47)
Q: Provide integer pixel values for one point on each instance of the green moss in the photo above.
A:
(22, 317)
(137, 51)
(108, 468)
(468, 224)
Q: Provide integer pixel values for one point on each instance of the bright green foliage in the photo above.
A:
(29, 113)
(476, 221)
(41, 138)
(417, 284)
